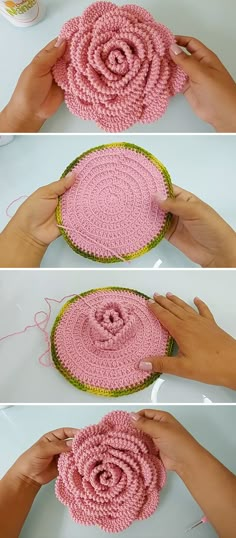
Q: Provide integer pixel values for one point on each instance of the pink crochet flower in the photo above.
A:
(117, 69)
(111, 325)
(112, 476)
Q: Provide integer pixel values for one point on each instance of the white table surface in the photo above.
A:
(204, 165)
(214, 427)
(23, 379)
(213, 22)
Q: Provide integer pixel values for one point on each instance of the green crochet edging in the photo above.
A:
(88, 388)
(151, 244)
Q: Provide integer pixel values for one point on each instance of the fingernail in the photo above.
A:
(175, 49)
(156, 294)
(169, 294)
(151, 301)
(146, 366)
(59, 42)
(69, 442)
(159, 197)
(134, 416)
(69, 176)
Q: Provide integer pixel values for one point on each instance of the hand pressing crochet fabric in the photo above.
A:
(20, 485)
(206, 352)
(196, 230)
(211, 91)
(36, 97)
(25, 239)
(211, 484)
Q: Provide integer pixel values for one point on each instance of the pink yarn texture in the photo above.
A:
(112, 476)
(110, 210)
(117, 69)
(102, 340)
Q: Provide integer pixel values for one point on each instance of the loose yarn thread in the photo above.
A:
(112, 476)
(42, 326)
(117, 68)
(25, 196)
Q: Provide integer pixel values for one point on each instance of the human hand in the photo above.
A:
(210, 90)
(39, 463)
(198, 231)
(175, 444)
(206, 352)
(35, 220)
(36, 97)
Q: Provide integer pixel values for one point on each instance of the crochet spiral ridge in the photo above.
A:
(110, 211)
(117, 69)
(100, 337)
(112, 476)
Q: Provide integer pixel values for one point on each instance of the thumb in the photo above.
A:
(53, 448)
(57, 188)
(152, 427)
(188, 63)
(164, 365)
(179, 207)
(47, 57)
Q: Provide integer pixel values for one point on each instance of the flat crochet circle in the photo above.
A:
(112, 476)
(110, 214)
(117, 68)
(99, 338)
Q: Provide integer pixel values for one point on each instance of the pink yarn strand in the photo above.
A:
(43, 324)
(96, 243)
(12, 203)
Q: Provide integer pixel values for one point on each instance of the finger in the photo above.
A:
(171, 306)
(167, 319)
(47, 57)
(197, 49)
(203, 309)
(176, 300)
(164, 365)
(155, 414)
(183, 206)
(60, 434)
(57, 188)
(191, 66)
(147, 425)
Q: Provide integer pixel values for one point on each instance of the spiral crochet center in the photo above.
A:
(112, 476)
(112, 324)
(117, 68)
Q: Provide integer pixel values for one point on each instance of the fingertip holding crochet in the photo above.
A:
(109, 214)
(112, 476)
(99, 339)
(117, 68)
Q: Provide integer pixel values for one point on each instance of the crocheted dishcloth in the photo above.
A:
(110, 211)
(117, 69)
(112, 476)
(99, 338)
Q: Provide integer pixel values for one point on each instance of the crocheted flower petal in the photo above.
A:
(142, 14)
(150, 505)
(63, 493)
(178, 79)
(119, 420)
(92, 13)
(60, 74)
(69, 28)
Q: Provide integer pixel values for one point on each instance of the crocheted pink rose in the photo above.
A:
(112, 324)
(112, 476)
(117, 69)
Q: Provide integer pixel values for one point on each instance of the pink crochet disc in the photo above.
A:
(110, 213)
(99, 339)
(112, 476)
(117, 69)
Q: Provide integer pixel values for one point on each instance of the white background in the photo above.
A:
(23, 379)
(214, 427)
(204, 165)
(211, 21)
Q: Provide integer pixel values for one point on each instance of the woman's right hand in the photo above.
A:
(210, 90)
(176, 445)
(198, 231)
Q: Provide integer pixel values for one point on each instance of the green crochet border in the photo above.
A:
(89, 388)
(167, 222)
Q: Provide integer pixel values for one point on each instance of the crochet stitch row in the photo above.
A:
(147, 228)
(57, 355)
